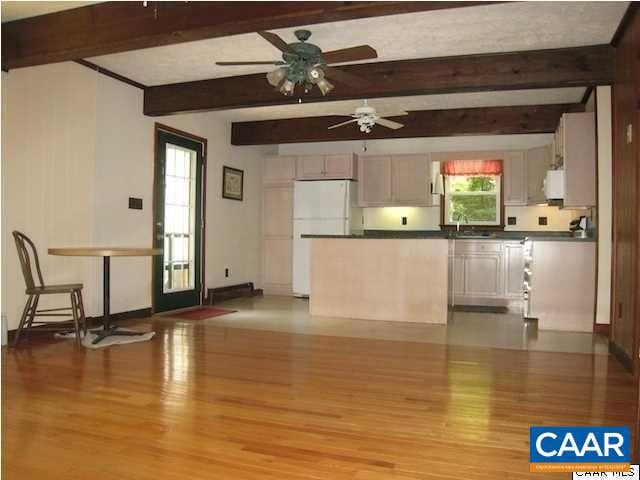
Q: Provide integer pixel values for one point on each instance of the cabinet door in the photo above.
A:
(411, 175)
(339, 167)
(482, 275)
(375, 181)
(277, 211)
(310, 167)
(279, 169)
(538, 161)
(580, 166)
(457, 280)
(513, 270)
(276, 265)
(515, 190)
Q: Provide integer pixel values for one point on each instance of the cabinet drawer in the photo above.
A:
(479, 246)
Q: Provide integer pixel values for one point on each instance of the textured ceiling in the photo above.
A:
(15, 10)
(423, 102)
(470, 30)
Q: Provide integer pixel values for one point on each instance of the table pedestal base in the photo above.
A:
(111, 331)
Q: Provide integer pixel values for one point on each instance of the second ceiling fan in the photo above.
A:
(305, 64)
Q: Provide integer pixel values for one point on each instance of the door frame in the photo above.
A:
(159, 127)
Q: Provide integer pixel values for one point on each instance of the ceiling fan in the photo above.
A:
(366, 117)
(305, 64)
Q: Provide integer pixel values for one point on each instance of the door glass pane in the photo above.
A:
(179, 219)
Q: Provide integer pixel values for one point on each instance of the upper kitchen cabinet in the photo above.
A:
(411, 178)
(395, 180)
(326, 167)
(538, 161)
(374, 188)
(515, 178)
(576, 140)
(279, 170)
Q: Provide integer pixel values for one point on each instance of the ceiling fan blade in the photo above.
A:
(343, 123)
(277, 42)
(389, 123)
(341, 76)
(250, 63)
(351, 54)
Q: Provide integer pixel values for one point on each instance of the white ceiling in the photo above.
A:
(469, 30)
(423, 102)
(15, 10)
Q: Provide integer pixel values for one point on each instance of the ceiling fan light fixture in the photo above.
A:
(276, 77)
(325, 86)
(287, 88)
(314, 74)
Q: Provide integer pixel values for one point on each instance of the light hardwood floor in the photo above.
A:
(204, 400)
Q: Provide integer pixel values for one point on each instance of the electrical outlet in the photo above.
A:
(226, 272)
(404, 220)
(542, 220)
(511, 220)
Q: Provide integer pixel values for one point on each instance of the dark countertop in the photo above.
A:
(427, 234)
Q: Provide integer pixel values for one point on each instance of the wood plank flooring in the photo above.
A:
(204, 401)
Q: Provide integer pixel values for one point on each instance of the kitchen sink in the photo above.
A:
(475, 235)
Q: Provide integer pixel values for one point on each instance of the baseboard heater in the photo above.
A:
(216, 295)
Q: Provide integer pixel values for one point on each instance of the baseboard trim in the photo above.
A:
(241, 290)
(601, 329)
(94, 321)
(621, 355)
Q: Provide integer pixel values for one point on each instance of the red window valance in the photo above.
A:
(472, 167)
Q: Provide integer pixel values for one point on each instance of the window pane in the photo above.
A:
(470, 183)
(180, 203)
(472, 208)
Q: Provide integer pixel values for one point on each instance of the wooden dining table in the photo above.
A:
(106, 253)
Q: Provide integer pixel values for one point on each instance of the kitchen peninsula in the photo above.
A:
(393, 279)
(414, 276)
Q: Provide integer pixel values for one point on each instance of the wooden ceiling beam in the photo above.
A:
(112, 27)
(570, 67)
(422, 123)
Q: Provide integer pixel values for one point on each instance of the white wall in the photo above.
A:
(605, 212)
(48, 151)
(428, 218)
(75, 147)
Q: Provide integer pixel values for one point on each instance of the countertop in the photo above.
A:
(427, 234)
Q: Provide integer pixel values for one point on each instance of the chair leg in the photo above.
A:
(32, 315)
(83, 318)
(74, 312)
(23, 319)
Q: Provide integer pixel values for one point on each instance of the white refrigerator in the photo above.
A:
(325, 207)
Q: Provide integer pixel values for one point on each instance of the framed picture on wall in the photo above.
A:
(232, 183)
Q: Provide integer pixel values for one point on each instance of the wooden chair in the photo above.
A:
(36, 288)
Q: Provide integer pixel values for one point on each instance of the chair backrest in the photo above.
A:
(24, 245)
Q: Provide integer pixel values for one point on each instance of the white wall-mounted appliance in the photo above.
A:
(554, 185)
(325, 207)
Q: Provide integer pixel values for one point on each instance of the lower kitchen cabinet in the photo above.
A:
(482, 276)
(513, 270)
(486, 273)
